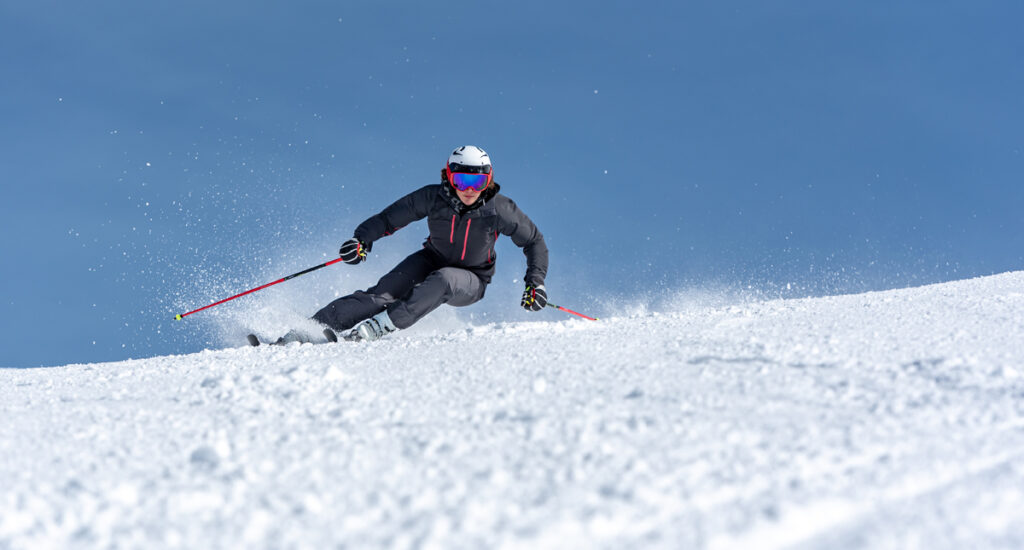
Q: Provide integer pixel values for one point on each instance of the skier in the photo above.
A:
(465, 214)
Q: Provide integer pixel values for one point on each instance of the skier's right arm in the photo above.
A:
(402, 212)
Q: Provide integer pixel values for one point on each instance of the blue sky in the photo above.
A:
(158, 157)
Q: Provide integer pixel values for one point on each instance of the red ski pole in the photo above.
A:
(570, 311)
(292, 276)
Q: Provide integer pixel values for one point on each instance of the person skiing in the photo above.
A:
(465, 214)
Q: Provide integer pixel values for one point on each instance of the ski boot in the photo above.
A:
(374, 328)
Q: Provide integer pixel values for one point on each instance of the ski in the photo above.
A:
(348, 336)
(331, 337)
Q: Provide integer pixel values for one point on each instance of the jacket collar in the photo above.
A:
(453, 199)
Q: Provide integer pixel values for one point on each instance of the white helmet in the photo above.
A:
(469, 159)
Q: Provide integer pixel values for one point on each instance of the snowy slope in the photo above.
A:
(882, 420)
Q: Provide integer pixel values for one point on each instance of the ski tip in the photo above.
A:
(253, 340)
(177, 317)
(330, 335)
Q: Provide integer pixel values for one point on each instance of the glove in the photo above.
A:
(535, 298)
(353, 251)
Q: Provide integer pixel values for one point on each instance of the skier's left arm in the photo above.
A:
(524, 233)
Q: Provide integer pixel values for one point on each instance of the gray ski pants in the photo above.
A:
(414, 288)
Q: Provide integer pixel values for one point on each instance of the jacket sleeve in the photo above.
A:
(402, 212)
(514, 223)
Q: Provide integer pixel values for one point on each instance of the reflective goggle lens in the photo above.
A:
(464, 182)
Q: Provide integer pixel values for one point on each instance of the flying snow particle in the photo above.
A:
(540, 385)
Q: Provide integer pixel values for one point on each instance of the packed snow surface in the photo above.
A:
(883, 420)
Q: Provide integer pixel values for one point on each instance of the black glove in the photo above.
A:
(534, 298)
(353, 251)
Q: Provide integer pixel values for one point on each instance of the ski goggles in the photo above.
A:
(466, 182)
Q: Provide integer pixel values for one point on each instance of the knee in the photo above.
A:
(375, 295)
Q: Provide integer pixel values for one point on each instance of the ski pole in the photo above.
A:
(250, 291)
(567, 310)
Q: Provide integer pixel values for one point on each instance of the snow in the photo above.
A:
(883, 420)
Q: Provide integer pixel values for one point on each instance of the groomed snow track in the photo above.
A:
(883, 420)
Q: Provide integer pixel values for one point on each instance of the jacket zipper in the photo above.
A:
(466, 239)
(451, 236)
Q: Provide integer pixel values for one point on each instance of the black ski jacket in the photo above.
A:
(464, 236)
